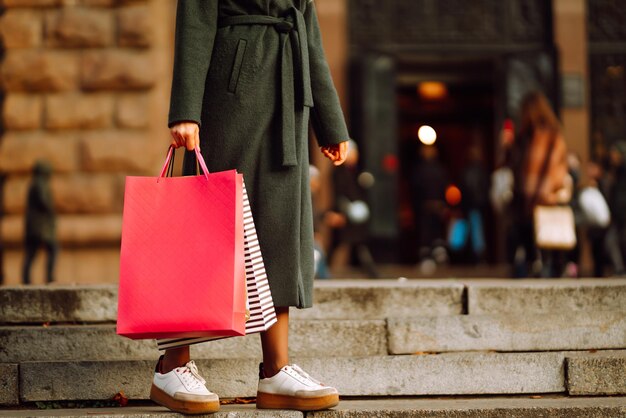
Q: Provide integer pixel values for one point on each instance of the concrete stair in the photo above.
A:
(368, 338)
(443, 374)
(500, 407)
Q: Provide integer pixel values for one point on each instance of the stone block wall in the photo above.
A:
(86, 86)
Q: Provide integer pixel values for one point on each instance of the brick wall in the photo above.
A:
(86, 85)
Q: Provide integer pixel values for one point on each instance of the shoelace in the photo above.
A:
(192, 369)
(305, 374)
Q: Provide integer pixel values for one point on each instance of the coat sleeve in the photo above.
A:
(196, 26)
(326, 115)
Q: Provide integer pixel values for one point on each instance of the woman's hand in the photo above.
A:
(186, 134)
(336, 153)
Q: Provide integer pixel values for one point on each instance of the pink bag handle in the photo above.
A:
(170, 155)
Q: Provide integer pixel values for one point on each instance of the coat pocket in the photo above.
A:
(237, 64)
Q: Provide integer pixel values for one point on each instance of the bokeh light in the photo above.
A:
(432, 90)
(427, 135)
(453, 195)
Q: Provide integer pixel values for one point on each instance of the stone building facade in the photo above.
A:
(85, 85)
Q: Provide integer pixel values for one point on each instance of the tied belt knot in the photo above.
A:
(283, 26)
(293, 36)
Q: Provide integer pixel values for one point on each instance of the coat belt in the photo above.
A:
(292, 31)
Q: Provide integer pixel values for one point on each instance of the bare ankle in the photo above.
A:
(168, 366)
(271, 370)
(173, 359)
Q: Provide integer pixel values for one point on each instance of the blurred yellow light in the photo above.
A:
(432, 90)
(427, 135)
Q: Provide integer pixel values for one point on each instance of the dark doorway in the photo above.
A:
(487, 54)
(456, 97)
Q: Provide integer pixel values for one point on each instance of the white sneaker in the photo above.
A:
(183, 390)
(293, 388)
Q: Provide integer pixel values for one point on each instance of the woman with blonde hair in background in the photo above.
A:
(541, 178)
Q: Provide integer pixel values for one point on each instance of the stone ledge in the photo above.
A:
(531, 332)
(543, 296)
(342, 299)
(100, 342)
(374, 299)
(58, 304)
(447, 374)
(593, 374)
(155, 411)
(554, 407)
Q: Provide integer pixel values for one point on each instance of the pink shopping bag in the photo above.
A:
(262, 312)
(182, 271)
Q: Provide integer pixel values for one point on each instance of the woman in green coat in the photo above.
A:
(248, 75)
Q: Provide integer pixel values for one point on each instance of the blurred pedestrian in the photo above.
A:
(502, 179)
(429, 180)
(597, 221)
(351, 235)
(321, 261)
(540, 172)
(574, 168)
(616, 235)
(40, 228)
(475, 199)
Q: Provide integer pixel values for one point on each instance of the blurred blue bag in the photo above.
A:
(457, 234)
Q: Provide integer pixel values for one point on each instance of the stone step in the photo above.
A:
(599, 330)
(599, 373)
(509, 332)
(348, 299)
(378, 299)
(40, 304)
(9, 384)
(445, 374)
(545, 295)
(500, 407)
(334, 299)
(503, 407)
(308, 338)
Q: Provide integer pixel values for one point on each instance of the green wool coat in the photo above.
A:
(252, 73)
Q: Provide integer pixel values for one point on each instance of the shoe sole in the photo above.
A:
(185, 407)
(272, 401)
